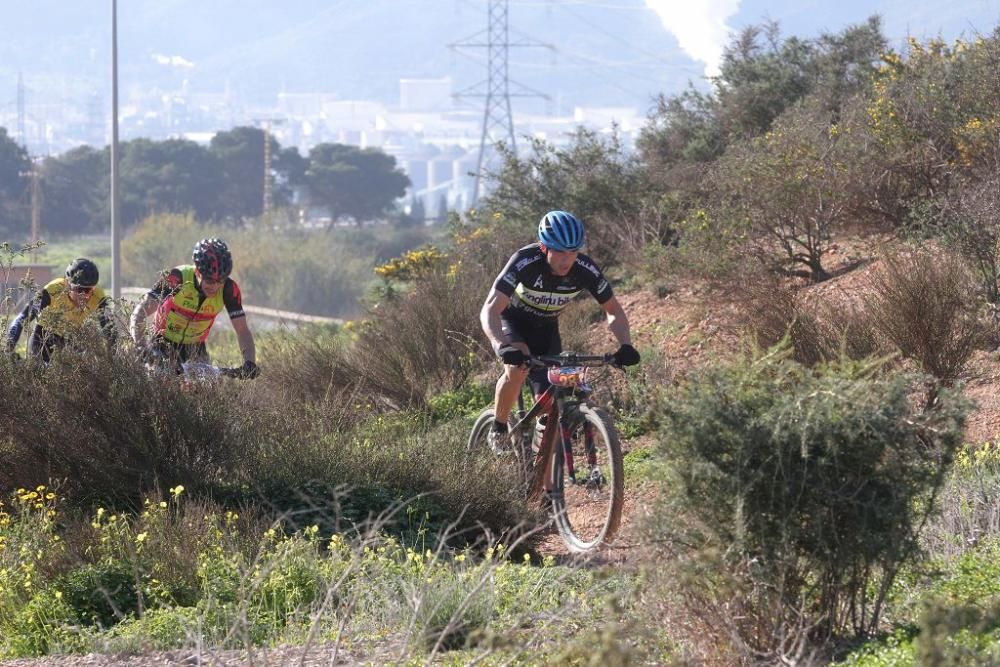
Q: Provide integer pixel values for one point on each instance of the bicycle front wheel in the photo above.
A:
(589, 484)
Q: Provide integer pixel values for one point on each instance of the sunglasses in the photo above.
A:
(80, 289)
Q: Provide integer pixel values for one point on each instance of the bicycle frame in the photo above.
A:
(556, 402)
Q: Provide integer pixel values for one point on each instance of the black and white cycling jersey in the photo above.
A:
(534, 290)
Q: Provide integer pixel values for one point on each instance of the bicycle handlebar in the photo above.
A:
(588, 361)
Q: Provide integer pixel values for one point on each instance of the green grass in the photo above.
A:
(466, 402)
(242, 583)
(641, 466)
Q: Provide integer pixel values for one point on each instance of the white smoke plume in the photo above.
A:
(699, 26)
(173, 61)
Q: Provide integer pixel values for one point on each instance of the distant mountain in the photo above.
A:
(608, 53)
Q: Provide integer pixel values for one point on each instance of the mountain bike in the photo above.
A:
(573, 455)
(191, 373)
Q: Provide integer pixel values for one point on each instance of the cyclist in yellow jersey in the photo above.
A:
(185, 302)
(61, 308)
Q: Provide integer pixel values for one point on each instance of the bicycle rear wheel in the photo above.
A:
(589, 485)
(478, 445)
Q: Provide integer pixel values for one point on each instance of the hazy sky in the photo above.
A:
(703, 27)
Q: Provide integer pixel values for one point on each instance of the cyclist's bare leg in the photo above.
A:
(509, 386)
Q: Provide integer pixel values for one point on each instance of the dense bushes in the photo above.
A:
(795, 496)
(256, 442)
(595, 179)
(923, 304)
(70, 421)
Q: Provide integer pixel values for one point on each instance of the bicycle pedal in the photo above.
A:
(595, 479)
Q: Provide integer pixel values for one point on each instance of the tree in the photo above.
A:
(172, 176)
(75, 187)
(683, 128)
(240, 152)
(761, 76)
(595, 180)
(788, 190)
(14, 163)
(351, 182)
(846, 62)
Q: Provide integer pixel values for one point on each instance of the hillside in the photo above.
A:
(351, 49)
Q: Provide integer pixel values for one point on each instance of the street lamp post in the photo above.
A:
(116, 287)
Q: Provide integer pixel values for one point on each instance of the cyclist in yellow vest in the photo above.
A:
(185, 302)
(61, 308)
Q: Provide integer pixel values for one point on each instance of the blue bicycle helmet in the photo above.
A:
(560, 230)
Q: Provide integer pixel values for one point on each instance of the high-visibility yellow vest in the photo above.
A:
(185, 317)
(62, 316)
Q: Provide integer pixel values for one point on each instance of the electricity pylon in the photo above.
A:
(498, 88)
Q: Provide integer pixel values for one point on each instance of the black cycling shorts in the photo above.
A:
(183, 352)
(540, 335)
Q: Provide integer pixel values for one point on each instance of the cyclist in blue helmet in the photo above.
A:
(521, 312)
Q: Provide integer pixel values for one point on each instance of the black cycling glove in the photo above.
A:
(511, 355)
(627, 356)
(249, 370)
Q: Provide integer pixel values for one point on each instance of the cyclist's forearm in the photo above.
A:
(618, 323)
(493, 328)
(17, 326)
(137, 323)
(489, 317)
(14, 333)
(245, 339)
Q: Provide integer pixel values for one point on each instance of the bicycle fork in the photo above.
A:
(588, 447)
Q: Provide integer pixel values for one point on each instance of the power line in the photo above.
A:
(498, 88)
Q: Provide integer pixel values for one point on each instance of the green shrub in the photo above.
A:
(894, 650)
(959, 635)
(45, 624)
(291, 579)
(160, 629)
(466, 402)
(796, 495)
(452, 609)
(101, 594)
(157, 243)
